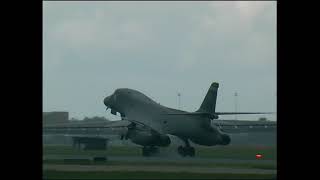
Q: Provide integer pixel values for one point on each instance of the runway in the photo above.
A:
(169, 159)
(164, 164)
(192, 169)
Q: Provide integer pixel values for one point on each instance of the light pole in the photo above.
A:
(179, 96)
(235, 104)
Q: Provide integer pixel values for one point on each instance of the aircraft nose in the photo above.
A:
(106, 101)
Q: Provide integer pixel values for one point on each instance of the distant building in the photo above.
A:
(263, 119)
(55, 117)
(265, 134)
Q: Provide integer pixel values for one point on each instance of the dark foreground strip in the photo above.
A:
(167, 169)
(49, 174)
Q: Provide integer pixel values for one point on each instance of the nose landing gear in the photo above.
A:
(186, 150)
(149, 151)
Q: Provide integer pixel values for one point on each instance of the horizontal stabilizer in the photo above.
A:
(217, 113)
(189, 113)
(209, 115)
(231, 113)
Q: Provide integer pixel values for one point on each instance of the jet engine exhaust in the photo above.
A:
(164, 141)
(225, 139)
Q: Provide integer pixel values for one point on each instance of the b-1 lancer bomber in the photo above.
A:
(150, 124)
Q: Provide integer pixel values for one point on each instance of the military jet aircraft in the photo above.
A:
(149, 124)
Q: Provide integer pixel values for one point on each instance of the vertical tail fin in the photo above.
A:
(209, 103)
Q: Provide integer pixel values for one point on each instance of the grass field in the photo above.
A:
(227, 152)
(222, 152)
(184, 164)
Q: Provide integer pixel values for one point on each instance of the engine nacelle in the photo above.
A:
(225, 139)
(146, 138)
(164, 140)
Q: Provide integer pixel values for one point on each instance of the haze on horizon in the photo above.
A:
(159, 48)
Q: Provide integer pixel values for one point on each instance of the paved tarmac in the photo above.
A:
(196, 168)
(192, 169)
(164, 159)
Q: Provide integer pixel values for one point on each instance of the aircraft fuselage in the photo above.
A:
(136, 106)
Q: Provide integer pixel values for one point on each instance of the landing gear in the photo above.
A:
(148, 151)
(186, 150)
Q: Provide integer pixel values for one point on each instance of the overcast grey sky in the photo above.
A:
(159, 48)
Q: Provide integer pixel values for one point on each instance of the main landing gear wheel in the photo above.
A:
(148, 151)
(186, 151)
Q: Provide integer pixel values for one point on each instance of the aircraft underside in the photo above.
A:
(181, 150)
